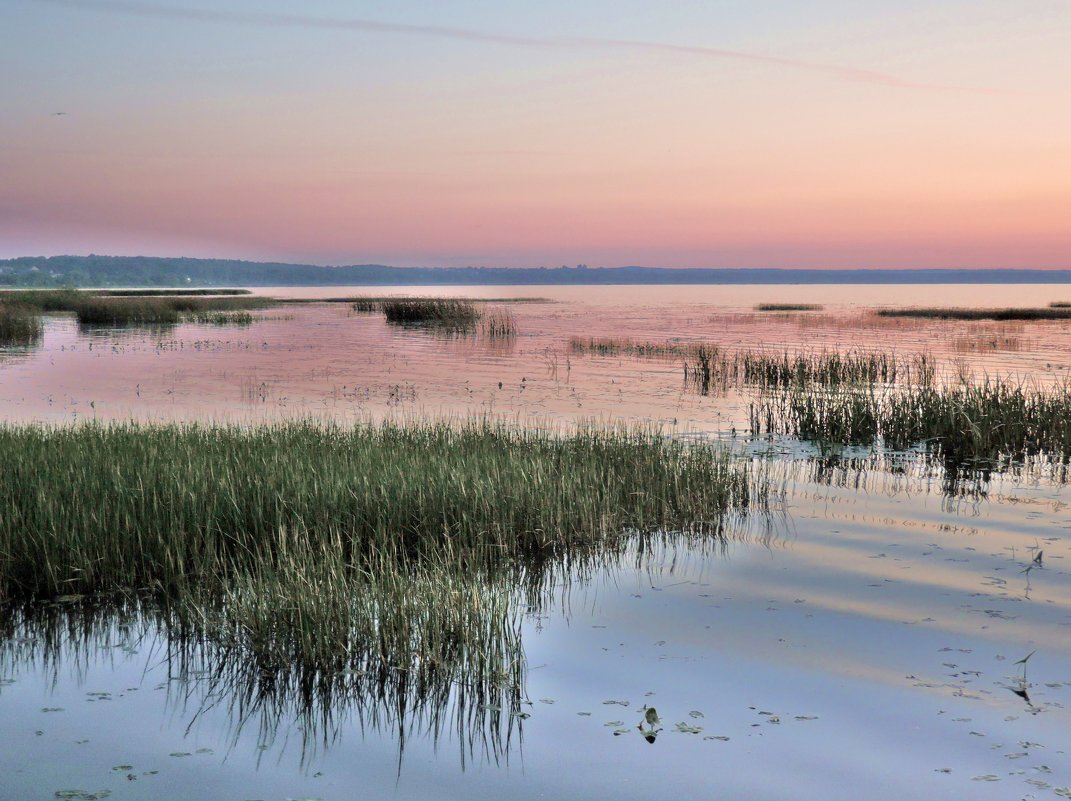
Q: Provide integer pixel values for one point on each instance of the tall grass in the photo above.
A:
(20, 325)
(989, 419)
(1055, 311)
(157, 293)
(498, 323)
(448, 312)
(318, 549)
(787, 307)
(621, 346)
(710, 369)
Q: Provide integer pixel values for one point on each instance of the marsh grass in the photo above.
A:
(498, 322)
(124, 308)
(219, 318)
(156, 293)
(1053, 312)
(788, 307)
(445, 312)
(20, 326)
(621, 346)
(392, 553)
(989, 419)
(365, 306)
(711, 369)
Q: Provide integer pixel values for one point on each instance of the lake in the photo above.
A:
(887, 632)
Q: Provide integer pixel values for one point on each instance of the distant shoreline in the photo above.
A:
(146, 271)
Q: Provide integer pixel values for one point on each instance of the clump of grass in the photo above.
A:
(788, 307)
(710, 368)
(1053, 312)
(219, 318)
(365, 306)
(100, 508)
(20, 325)
(446, 312)
(498, 323)
(121, 307)
(319, 549)
(990, 419)
(614, 346)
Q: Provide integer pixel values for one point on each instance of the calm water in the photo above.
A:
(862, 643)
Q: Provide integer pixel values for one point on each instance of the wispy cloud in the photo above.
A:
(270, 19)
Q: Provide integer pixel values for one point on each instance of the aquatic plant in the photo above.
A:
(155, 293)
(19, 325)
(498, 322)
(1053, 312)
(314, 549)
(788, 307)
(447, 312)
(989, 419)
(219, 318)
(710, 368)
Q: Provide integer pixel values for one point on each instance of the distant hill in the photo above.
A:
(159, 272)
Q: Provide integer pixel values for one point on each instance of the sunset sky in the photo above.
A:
(725, 133)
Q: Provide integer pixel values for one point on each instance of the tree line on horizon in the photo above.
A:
(153, 271)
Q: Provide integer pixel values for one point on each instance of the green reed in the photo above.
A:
(448, 312)
(989, 419)
(316, 548)
(709, 369)
(151, 293)
(498, 322)
(20, 325)
(1055, 311)
(788, 307)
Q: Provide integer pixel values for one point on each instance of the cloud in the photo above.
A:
(270, 19)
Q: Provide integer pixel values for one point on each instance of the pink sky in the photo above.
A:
(919, 138)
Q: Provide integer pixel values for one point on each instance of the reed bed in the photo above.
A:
(219, 318)
(788, 307)
(990, 419)
(158, 293)
(318, 549)
(618, 346)
(1053, 312)
(122, 307)
(44, 300)
(365, 306)
(446, 312)
(498, 322)
(712, 369)
(20, 326)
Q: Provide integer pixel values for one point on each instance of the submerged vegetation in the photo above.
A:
(991, 419)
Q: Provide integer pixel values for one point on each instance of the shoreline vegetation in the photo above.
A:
(394, 553)
(129, 307)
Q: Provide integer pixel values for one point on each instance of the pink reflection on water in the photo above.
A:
(326, 361)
